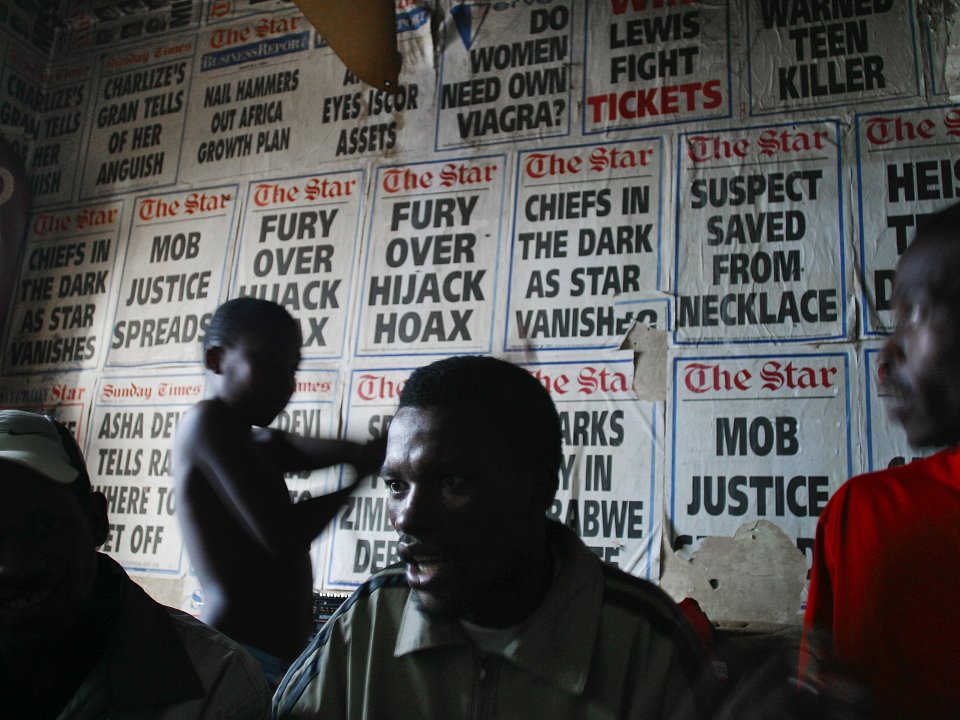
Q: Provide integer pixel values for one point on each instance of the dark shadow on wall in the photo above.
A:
(14, 204)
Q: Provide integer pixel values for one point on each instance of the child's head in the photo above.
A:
(244, 315)
(252, 347)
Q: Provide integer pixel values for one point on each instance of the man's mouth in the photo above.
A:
(426, 572)
(894, 398)
(424, 566)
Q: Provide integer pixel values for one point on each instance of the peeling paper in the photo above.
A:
(757, 575)
(649, 348)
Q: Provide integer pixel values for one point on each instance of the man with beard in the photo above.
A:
(495, 610)
(882, 613)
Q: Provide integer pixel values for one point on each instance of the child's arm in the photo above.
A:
(293, 453)
(250, 486)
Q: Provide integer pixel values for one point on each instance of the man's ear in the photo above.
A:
(97, 515)
(212, 357)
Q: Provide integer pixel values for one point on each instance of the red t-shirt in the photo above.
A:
(885, 587)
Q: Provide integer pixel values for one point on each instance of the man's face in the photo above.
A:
(257, 373)
(919, 363)
(48, 553)
(465, 513)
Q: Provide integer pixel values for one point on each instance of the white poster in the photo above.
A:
(62, 298)
(138, 112)
(655, 63)
(172, 276)
(128, 455)
(609, 490)
(362, 538)
(433, 246)
(298, 247)
(505, 72)
(760, 235)
(908, 165)
(805, 55)
(352, 119)
(65, 396)
(757, 437)
(51, 111)
(586, 239)
(312, 412)
(246, 98)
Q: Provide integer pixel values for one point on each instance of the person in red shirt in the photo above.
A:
(883, 613)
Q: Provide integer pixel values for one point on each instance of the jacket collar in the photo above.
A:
(557, 641)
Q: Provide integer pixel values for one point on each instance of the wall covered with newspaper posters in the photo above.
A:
(735, 177)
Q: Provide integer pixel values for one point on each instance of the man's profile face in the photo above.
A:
(48, 553)
(920, 361)
(463, 510)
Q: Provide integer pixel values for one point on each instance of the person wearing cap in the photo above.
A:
(78, 638)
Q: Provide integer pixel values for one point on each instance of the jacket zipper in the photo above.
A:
(484, 689)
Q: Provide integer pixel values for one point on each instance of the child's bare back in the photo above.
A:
(248, 543)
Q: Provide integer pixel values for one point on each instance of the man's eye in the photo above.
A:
(396, 487)
(455, 483)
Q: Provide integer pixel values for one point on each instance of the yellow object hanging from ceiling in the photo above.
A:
(363, 33)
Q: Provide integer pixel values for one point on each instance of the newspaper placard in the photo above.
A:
(104, 25)
(908, 164)
(21, 123)
(587, 233)
(429, 279)
(50, 110)
(505, 73)
(298, 248)
(804, 54)
(138, 112)
(128, 455)
(66, 397)
(362, 538)
(655, 63)
(223, 11)
(312, 412)
(760, 239)
(172, 275)
(356, 120)
(609, 494)
(246, 97)
(62, 296)
(758, 437)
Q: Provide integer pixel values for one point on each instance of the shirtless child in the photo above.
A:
(248, 543)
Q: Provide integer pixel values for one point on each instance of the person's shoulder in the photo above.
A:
(206, 412)
(385, 589)
(638, 609)
(642, 598)
(374, 608)
(208, 422)
(221, 663)
(896, 481)
(202, 641)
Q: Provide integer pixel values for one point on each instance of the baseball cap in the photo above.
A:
(40, 443)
